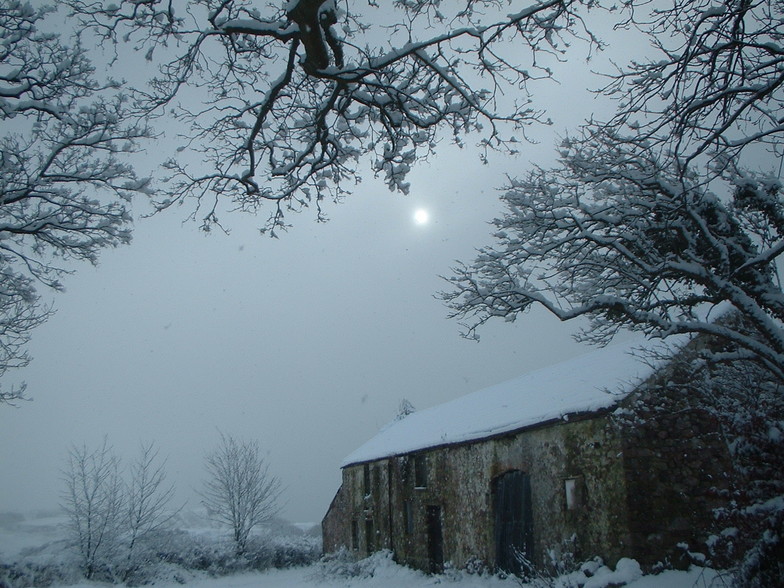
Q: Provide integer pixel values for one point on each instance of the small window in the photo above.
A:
(354, 534)
(366, 479)
(408, 513)
(573, 493)
(420, 471)
(404, 463)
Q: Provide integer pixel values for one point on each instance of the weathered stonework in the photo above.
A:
(631, 481)
(676, 463)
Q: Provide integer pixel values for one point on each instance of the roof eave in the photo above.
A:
(564, 419)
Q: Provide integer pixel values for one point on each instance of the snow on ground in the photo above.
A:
(40, 538)
(389, 575)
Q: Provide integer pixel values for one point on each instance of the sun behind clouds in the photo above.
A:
(421, 216)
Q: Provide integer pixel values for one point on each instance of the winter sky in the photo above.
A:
(307, 343)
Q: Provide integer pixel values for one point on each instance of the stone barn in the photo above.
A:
(592, 457)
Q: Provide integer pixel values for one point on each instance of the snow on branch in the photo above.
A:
(716, 86)
(298, 97)
(613, 235)
(65, 182)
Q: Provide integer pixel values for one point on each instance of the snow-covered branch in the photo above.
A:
(716, 88)
(65, 181)
(297, 98)
(617, 237)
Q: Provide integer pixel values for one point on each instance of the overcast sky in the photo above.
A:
(307, 343)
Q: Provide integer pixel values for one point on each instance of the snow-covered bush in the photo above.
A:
(299, 551)
(167, 555)
(763, 563)
(218, 556)
(342, 564)
(214, 556)
(477, 566)
(595, 574)
(750, 409)
(38, 575)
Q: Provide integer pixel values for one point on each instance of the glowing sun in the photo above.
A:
(421, 216)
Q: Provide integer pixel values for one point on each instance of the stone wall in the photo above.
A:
(678, 469)
(336, 533)
(384, 498)
(641, 480)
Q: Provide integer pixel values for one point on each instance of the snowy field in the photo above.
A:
(390, 575)
(39, 540)
(386, 574)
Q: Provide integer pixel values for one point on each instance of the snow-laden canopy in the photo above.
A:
(590, 382)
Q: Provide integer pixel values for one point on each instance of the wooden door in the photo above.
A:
(513, 522)
(435, 539)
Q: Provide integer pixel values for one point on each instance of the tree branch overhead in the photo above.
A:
(301, 96)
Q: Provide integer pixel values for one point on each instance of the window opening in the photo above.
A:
(420, 471)
(573, 493)
(366, 479)
(405, 469)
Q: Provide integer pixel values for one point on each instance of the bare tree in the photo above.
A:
(239, 491)
(296, 96)
(108, 517)
(657, 216)
(94, 503)
(147, 499)
(63, 186)
(668, 218)
(713, 90)
(612, 236)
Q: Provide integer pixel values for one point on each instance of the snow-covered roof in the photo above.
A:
(586, 383)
